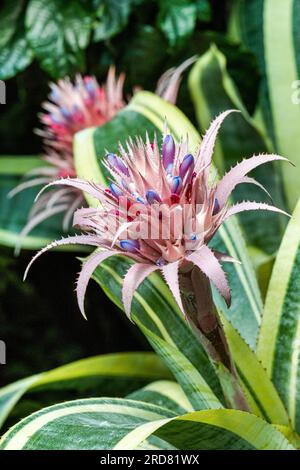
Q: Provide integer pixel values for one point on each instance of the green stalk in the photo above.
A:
(204, 319)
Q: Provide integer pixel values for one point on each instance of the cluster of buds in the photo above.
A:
(76, 106)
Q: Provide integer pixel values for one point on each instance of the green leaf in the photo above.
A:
(14, 211)
(204, 12)
(111, 17)
(271, 30)
(222, 430)
(279, 340)
(9, 16)
(213, 91)
(15, 53)
(263, 264)
(135, 368)
(261, 392)
(194, 385)
(164, 393)
(290, 435)
(96, 423)
(11, 394)
(58, 32)
(118, 424)
(146, 41)
(156, 313)
(177, 20)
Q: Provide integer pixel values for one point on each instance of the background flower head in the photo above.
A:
(71, 107)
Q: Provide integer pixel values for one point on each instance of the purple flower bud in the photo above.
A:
(216, 207)
(161, 262)
(130, 245)
(117, 163)
(111, 158)
(169, 169)
(124, 184)
(65, 112)
(115, 190)
(193, 237)
(176, 185)
(187, 166)
(168, 150)
(54, 95)
(76, 114)
(152, 196)
(141, 200)
(90, 87)
(75, 108)
(121, 166)
(55, 118)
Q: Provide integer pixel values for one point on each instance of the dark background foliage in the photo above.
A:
(43, 40)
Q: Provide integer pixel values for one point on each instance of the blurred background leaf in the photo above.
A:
(111, 16)
(15, 52)
(213, 90)
(58, 32)
(177, 19)
(270, 30)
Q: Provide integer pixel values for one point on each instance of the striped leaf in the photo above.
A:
(272, 31)
(156, 313)
(196, 388)
(14, 211)
(89, 424)
(146, 112)
(279, 340)
(261, 393)
(124, 371)
(159, 318)
(222, 430)
(213, 91)
(165, 393)
(118, 424)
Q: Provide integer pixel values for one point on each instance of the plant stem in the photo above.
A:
(204, 319)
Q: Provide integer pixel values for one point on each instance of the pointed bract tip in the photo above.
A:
(83, 314)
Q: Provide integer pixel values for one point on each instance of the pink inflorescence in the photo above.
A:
(161, 211)
(76, 106)
(71, 108)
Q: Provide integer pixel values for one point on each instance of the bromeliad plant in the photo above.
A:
(235, 382)
(216, 371)
(169, 211)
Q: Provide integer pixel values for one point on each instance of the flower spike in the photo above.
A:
(163, 215)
